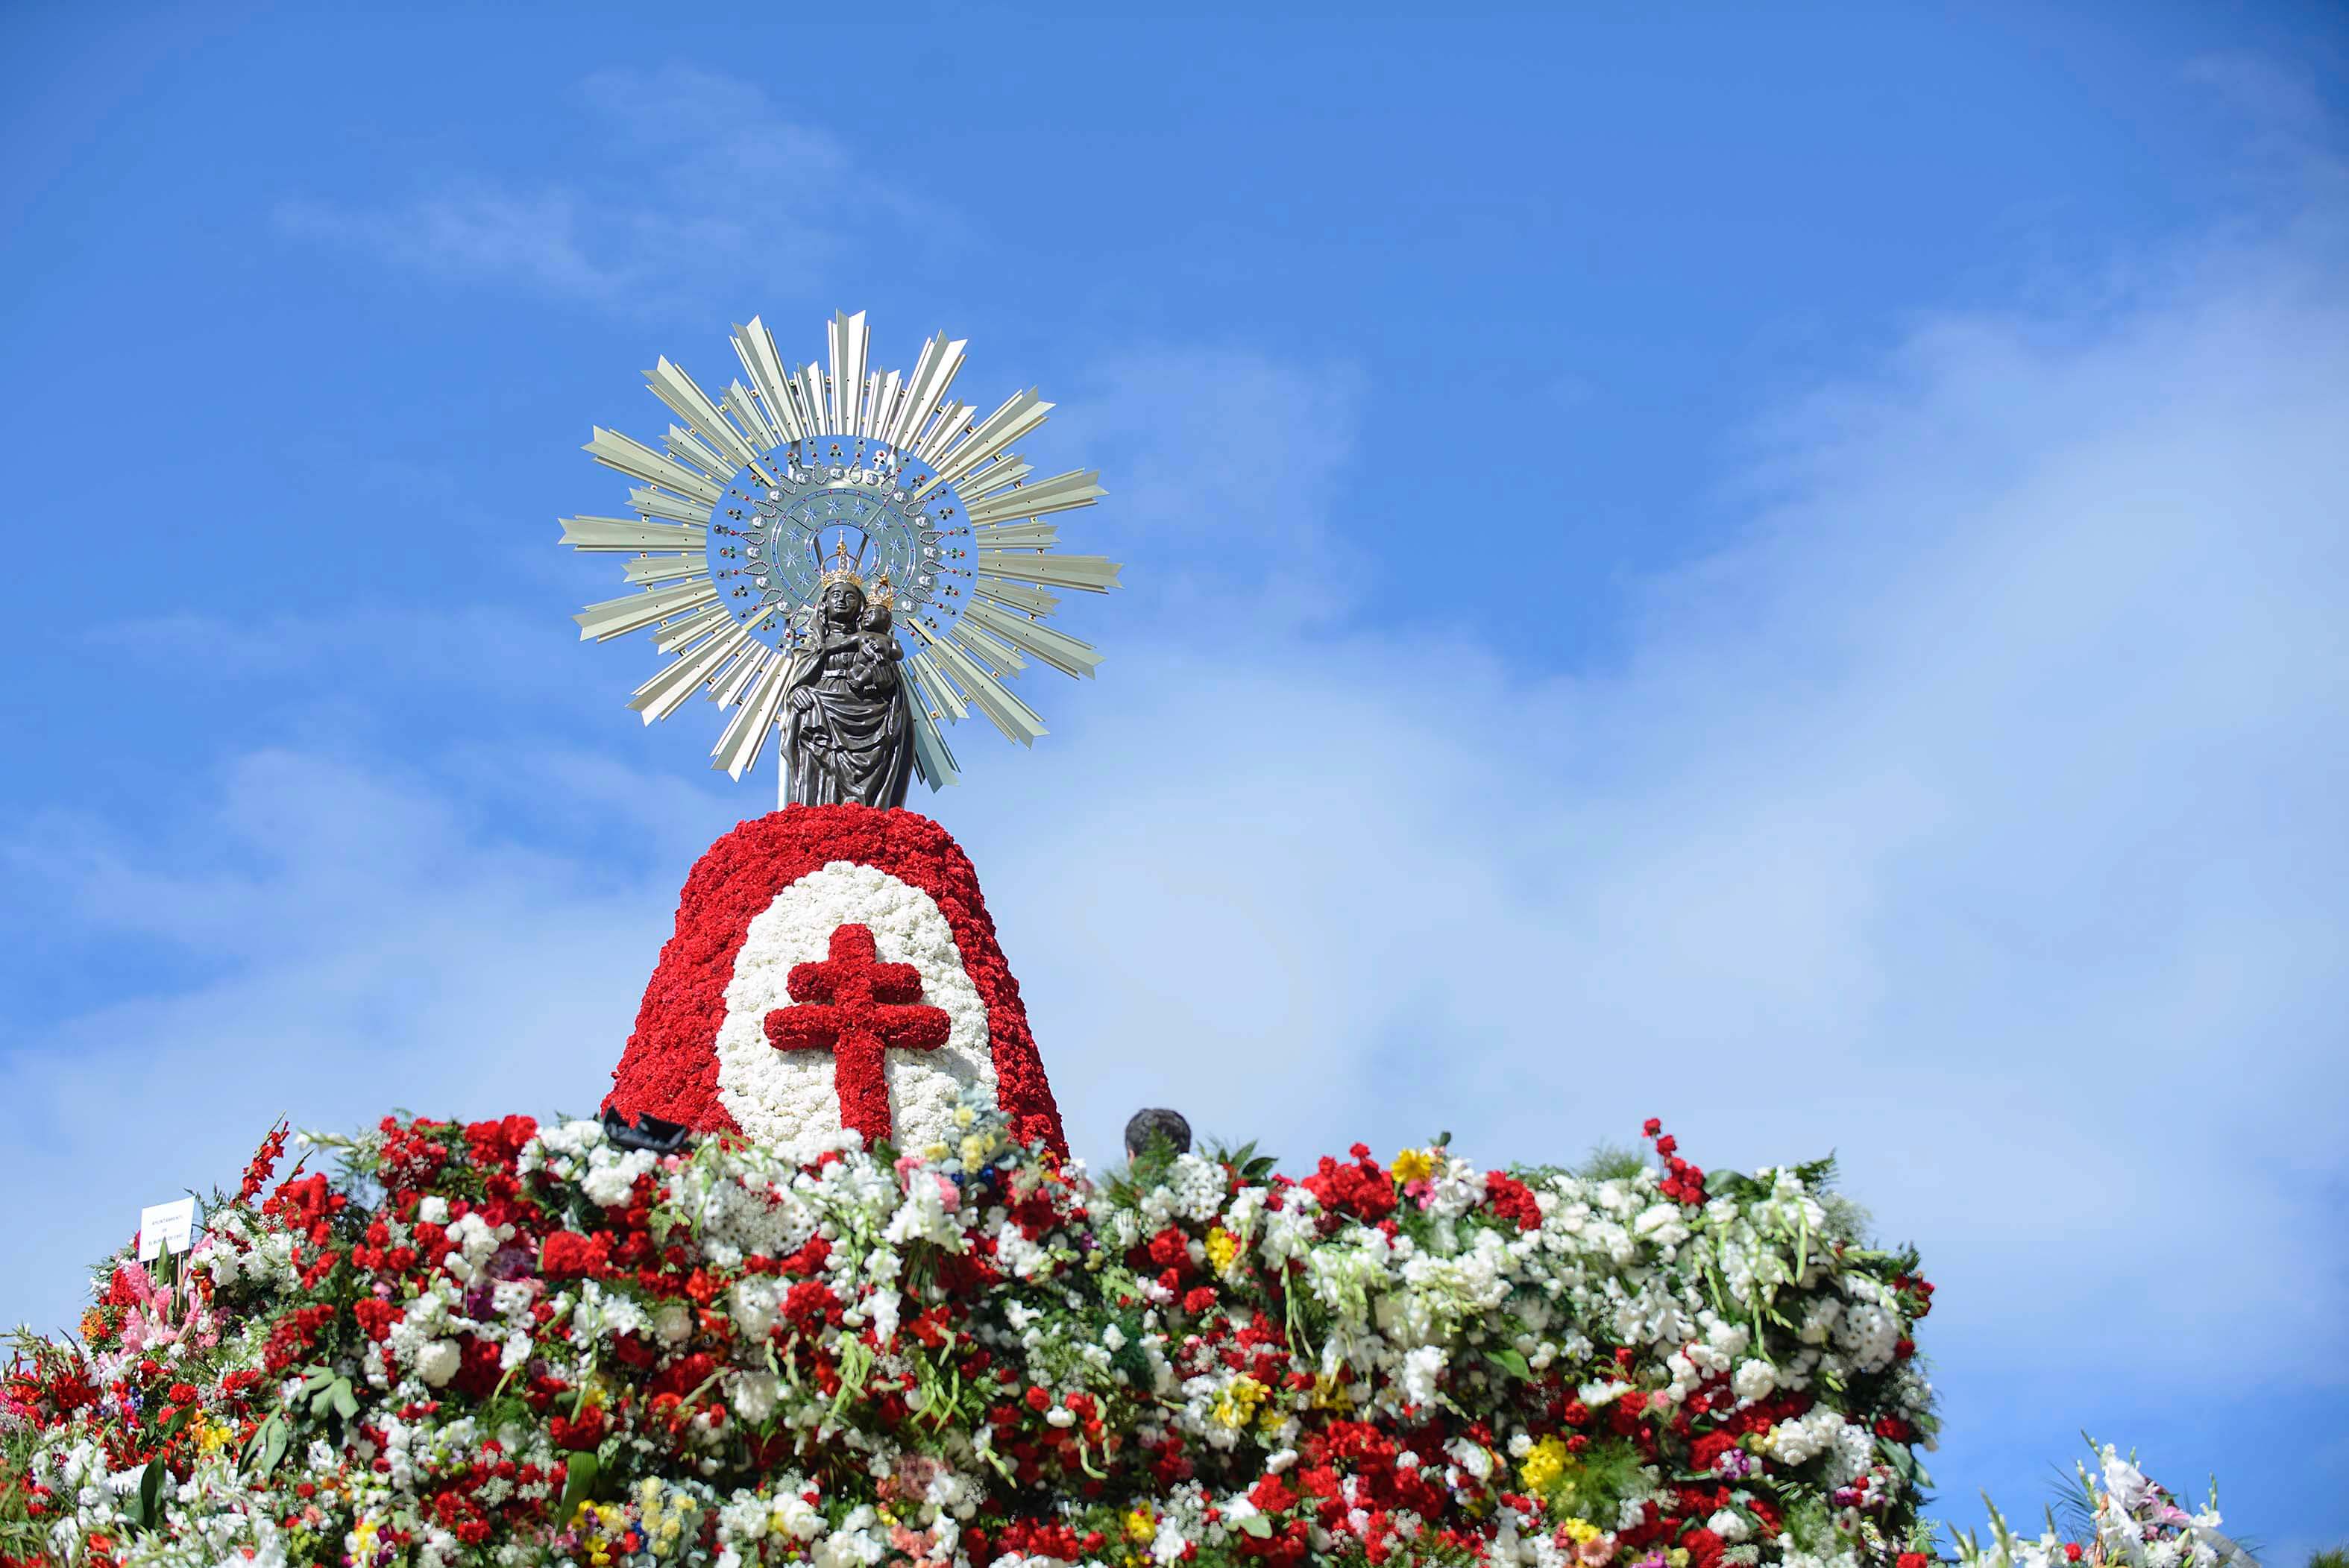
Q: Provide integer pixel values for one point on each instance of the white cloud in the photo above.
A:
(699, 177)
(476, 231)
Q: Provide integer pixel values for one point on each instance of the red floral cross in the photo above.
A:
(855, 1006)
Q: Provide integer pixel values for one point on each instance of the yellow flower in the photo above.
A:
(964, 1116)
(1541, 1468)
(1581, 1531)
(1413, 1165)
(214, 1436)
(975, 1147)
(1677, 1557)
(1237, 1406)
(1329, 1393)
(1139, 1524)
(1222, 1248)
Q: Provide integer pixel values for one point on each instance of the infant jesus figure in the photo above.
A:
(873, 672)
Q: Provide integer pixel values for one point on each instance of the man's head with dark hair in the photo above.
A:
(1148, 1126)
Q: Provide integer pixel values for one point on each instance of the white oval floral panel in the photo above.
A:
(791, 1099)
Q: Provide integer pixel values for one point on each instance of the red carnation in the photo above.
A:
(1512, 1199)
(376, 1316)
(570, 1255)
(583, 1433)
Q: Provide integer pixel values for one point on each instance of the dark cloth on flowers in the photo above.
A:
(1147, 1126)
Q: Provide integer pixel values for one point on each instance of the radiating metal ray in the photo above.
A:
(1094, 573)
(683, 394)
(742, 405)
(743, 676)
(931, 756)
(848, 344)
(687, 448)
(660, 503)
(948, 425)
(941, 692)
(1059, 493)
(812, 400)
(929, 393)
(1058, 649)
(754, 346)
(647, 569)
(639, 461)
(1006, 469)
(692, 628)
(1019, 414)
(618, 617)
(909, 402)
(993, 654)
(745, 738)
(1016, 535)
(612, 534)
(1016, 595)
(683, 678)
(985, 692)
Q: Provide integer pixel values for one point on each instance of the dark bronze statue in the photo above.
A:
(848, 723)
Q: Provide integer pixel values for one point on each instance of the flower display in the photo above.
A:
(499, 1342)
(2119, 1517)
(724, 1042)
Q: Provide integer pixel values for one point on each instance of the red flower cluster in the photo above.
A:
(1364, 1190)
(1683, 1182)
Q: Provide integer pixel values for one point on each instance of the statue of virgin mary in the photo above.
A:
(848, 723)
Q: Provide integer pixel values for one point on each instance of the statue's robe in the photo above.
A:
(846, 747)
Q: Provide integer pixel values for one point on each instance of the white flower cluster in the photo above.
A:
(789, 1099)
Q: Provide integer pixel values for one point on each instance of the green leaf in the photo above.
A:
(578, 1480)
(1257, 1525)
(273, 1448)
(1513, 1362)
(151, 1494)
(347, 1404)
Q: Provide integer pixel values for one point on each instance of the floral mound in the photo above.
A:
(759, 947)
(500, 1343)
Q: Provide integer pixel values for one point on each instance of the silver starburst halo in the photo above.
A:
(757, 494)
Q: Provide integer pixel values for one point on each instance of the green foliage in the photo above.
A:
(1610, 1163)
(1593, 1481)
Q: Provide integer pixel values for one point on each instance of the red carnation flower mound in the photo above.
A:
(670, 1069)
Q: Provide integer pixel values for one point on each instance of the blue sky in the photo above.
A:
(1774, 567)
